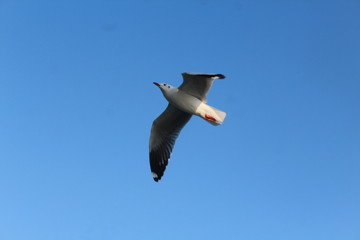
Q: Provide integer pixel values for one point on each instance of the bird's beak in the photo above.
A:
(156, 84)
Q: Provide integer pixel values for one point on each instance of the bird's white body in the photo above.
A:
(192, 105)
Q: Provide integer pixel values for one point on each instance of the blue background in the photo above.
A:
(77, 103)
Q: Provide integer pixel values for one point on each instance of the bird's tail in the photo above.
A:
(214, 116)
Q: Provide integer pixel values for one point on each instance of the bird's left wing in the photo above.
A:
(164, 131)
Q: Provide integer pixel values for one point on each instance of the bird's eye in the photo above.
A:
(168, 86)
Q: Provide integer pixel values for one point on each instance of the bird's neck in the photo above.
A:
(171, 93)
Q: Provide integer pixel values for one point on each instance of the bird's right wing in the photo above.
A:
(198, 84)
(165, 129)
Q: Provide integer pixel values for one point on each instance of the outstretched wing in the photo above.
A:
(198, 84)
(165, 129)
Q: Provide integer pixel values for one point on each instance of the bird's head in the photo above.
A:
(165, 88)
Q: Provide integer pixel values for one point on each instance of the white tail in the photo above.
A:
(211, 115)
(220, 116)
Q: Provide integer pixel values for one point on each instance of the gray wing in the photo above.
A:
(198, 84)
(165, 129)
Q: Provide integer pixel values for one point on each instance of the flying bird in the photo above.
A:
(186, 100)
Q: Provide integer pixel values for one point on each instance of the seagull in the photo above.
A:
(186, 100)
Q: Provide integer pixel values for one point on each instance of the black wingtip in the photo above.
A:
(220, 76)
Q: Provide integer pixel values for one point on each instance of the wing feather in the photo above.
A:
(198, 84)
(164, 132)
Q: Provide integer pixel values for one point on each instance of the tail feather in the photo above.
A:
(219, 116)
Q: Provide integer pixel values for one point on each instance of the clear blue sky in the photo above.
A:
(77, 103)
